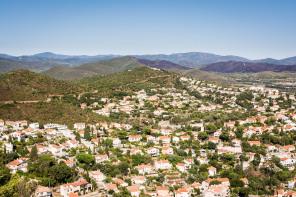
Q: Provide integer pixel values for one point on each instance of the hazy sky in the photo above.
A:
(249, 28)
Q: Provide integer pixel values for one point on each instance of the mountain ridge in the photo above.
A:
(189, 59)
(110, 66)
(246, 67)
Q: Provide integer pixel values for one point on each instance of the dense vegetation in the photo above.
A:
(21, 85)
(55, 111)
(87, 70)
(128, 81)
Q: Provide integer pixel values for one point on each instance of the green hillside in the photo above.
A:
(20, 85)
(129, 80)
(63, 73)
(122, 63)
(55, 112)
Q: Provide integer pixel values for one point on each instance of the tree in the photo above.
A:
(87, 133)
(122, 134)
(215, 182)
(108, 143)
(123, 167)
(138, 159)
(26, 188)
(202, 135)
(34, 153)
(236, 182)
(224, 136)
(211, 145)
(4, 175)
(77, 137)
(244, 192)
(85, 158)
(62, 173)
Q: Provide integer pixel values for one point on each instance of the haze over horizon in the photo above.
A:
(249, 29)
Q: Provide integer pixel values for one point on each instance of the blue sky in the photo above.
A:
(249, 28)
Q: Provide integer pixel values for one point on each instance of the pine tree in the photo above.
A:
(34, 153)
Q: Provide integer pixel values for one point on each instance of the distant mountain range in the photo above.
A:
(9, 64)
(247, 67)
(191, 59)
(67, 67)
(109, 66)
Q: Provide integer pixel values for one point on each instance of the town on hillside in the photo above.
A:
(203, 139)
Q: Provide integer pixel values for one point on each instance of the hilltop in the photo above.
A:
(63, 73)
(109, 66)
(20, 85)
(129, 80)
(87, 70)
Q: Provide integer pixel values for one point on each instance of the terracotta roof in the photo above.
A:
(55, 146)
(72, 195)
(69, 162)
(213, 138)
(162, 188)
(181, 190)
(254, 142)
(96, 172)
(111, 186)
(79, 183)
(211, 168)
(14, 163)
(43, 189)
(133, 188)
(79, 123)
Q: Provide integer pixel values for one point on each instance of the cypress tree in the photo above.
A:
(34, 153)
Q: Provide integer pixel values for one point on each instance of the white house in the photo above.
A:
(79, 126)
(139, 180)
(70, 163)
(211, 170)
(181, 167)
(101, 158)
(116, 142)
(8, 146)
(164, 139)
(43, 191)
(18, 164)
(135, 138)
(144, 169)
(134, 190)
(167, 150)
(150, 138)
(56, 150)
(97, 175)
(73, 143)
(163, 164)
(181, 192)
(75, 188)
(154, 152)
